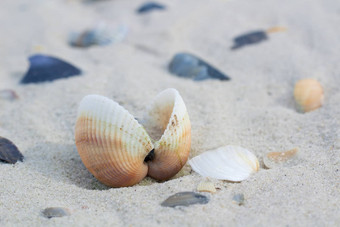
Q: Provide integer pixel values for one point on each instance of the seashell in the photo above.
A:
(230, 163)
(119, 152)
(53, 212)
(8, 94)
(206, 186)
(189, 66)
(254, 37)
(238, 199)
(9, 152)
(185, 199)
(149, 6)
(308, 94)
(101, 35)
(273, 159)
(46, 68)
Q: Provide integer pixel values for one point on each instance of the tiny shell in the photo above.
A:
(273, 159)
(53, 212)
(185, 199)
(206, 186)
(9, 152)
(230, 163)
(308, 94)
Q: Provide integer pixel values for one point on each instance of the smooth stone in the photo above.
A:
(46, 68)
(281, 159)
(190, 66)
(185, 199)
(249, 38)
(9, 153)
(149, 6)
(54, 212)
(238, 199)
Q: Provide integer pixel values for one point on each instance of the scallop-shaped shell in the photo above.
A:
(230, 163)
(169, 118)
(308, 94)
(118, 151)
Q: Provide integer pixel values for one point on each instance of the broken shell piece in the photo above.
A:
(118, 151)
(185, 199)
(308, 94)
(9, 152)
(53, 212)
(206, 186)
(230, 163)
(274, 159)
(8, 94)
(46, 68)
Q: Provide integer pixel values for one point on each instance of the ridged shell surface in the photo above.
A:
(230, 163)
(110, 142)
(168, 117)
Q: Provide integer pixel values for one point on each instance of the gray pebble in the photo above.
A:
(53, 212)
(185, 199)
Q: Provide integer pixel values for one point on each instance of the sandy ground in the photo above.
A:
(255, 109)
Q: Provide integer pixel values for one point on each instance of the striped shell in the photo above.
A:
(118, 151)
(230, 163)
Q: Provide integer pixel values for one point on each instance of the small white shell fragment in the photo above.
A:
(230, 163)
(276, 159)
(206, 186)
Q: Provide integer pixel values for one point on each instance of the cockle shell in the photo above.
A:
(308, 94)
(230, 163)
(119, 152)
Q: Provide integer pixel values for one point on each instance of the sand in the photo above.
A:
(254, 110)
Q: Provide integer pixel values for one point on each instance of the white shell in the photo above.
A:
(206, 186)
(230, 163)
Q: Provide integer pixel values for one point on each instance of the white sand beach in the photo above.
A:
(255, 109)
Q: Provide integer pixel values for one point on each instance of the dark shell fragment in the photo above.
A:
(190, 66)
(185, 199)
(53, 212)
(147, 7)
(249, 38)
(46, 68)
(9, 153)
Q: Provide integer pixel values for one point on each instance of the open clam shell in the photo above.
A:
(118, 151)
(230, 163)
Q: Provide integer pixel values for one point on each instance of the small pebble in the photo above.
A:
(238, 199)
(8, 94)
(150, 6)
(185, 199)
(189, 66)
(54, 212)
(9, 153)
(46, 68)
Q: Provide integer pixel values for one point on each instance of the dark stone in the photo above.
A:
(53, 212)
(149, 6)
(249, 38)
(190, 66)
(45, 68)
(185, 199)
(9, 153)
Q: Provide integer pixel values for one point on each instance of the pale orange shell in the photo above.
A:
(113, 145)
(308, 94)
